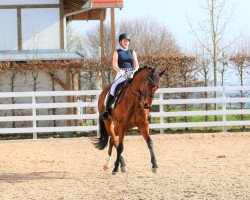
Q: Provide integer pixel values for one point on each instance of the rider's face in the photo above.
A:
(125, 43)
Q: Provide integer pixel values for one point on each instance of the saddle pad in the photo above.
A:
(118, 93)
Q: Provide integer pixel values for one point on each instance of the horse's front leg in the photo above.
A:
(145, 133)
(152, 154)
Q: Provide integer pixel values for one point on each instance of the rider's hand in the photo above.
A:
(122, 72)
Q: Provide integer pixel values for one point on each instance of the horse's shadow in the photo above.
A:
(23, 177)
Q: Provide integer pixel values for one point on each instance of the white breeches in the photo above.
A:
(119, 79)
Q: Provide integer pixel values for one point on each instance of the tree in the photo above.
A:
(202, 63)
(222, 68)
(212, 35)
(75, 42)
(149, 37)
(241, 61)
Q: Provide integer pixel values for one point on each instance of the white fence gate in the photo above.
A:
(223, 98)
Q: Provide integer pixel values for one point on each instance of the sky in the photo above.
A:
(174, 14)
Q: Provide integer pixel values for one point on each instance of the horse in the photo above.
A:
(131, 110)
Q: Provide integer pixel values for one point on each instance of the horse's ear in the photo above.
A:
(162, 72)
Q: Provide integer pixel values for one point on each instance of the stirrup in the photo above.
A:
(105, 115)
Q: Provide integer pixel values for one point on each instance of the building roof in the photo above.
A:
(107, 3)
(78, 4)
(88, 9)
(35, 55)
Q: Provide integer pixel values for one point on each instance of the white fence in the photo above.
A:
(223, 92)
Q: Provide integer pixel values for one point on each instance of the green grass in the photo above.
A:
(202, 118)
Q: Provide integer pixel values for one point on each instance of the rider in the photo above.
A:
(125, 63)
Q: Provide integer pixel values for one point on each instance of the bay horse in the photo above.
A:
(132, 110)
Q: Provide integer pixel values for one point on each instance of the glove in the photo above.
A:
(122, 72)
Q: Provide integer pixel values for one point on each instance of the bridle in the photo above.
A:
(151, 85)
(143, 95)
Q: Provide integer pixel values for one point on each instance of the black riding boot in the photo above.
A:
(108, 105)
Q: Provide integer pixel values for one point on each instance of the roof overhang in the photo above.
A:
(38, 55)
(88, 9)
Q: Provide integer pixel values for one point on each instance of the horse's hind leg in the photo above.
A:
(122, 161)
(110, 128)
(119, 149)
(108, 159)
(118, 158)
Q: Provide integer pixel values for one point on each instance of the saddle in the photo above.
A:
(119, 93)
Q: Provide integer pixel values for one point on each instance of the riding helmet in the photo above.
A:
(124, 36)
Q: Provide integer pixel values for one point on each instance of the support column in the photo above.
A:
(112, 25)
(102, 44)
(61, 25)
(19, 29)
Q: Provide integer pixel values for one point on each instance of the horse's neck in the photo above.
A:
(138, 81)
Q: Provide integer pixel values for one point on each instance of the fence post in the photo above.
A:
(161, 111)
(34, 116)
(224, 109)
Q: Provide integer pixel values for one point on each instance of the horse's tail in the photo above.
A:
(102, 141)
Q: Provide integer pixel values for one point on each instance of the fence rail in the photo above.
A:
(224, 99)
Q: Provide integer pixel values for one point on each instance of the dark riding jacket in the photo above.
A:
(125, 58)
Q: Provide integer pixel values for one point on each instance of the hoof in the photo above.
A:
(155, 170)
(105, 167)
(114, 173)
(123, 169)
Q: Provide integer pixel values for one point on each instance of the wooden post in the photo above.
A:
(19, 29)
(61, 25)
(224, 109)
(68, 111)
(112, 25)
(34, 116)
(102, 42)
(161, 111)
(75, 86)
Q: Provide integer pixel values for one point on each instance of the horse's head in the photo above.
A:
(149, 83)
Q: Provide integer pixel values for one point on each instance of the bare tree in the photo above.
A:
(203, 68)
(75, 41)
(13, 75)
(149, 37)
(93, 42)
(222, 68)
(241, 61)
(213, 33)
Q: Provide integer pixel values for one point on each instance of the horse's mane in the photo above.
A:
(138, 71)
(141, 69)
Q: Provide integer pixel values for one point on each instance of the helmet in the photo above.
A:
(124, 36)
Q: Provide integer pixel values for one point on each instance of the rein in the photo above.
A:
(144, 94)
